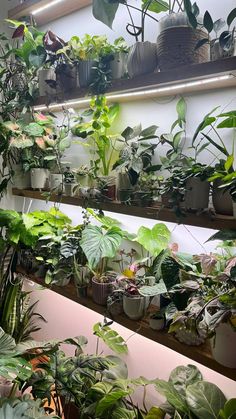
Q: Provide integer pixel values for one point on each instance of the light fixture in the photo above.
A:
(174, 88)
(46, 6)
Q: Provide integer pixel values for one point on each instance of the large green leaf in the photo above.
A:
(110, 400)
(181, 377)
(111, 338)
(105, 11)
(223, 235)
(181, 108)
(205, 400)
(117, 370)
(34, 130)
(157, 6)
(154, 240)
(173, 397)
(98, 244)
(155, 413)
(229, 410)
(37, 57)
(151, 291)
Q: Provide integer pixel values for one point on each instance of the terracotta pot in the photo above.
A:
(135, 306)
(101, 290)
(119, 65)
(221, 199)
(142, 58)
(86, 72)
(197, 194)
(39, 178)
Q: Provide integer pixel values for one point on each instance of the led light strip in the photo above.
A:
(47, 6)
(138, 93)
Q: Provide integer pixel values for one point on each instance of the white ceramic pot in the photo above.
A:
(82, 180)
(56, 182)
(86, 72)
(142, 58)
(197, 194)
(39, 178)
(119, 65)
(223, 345)
(20, 179)
(135, 307)
(157, 324)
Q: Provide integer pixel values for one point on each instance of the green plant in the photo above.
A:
(97, 131)
(137, 151)
(106, 12)
(226, 38)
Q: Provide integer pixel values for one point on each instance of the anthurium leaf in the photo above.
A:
(111, 338)
(37, 57)
(223, 235)
(154, 240)
(155, 413)
(104, 11)
(229, 410)
(181, 377)
(98, 244)
(205, 400)
(151, 291)
(172, 395)
(208, 22)
(231, 16)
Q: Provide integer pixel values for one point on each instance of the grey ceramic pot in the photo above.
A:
(197, 194)
(221, 199)
(142, 58)
(86, 72)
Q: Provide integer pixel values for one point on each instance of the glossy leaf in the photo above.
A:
(154, 240)
(231, 16)
(104, 11)
(229, 410)
(201, 42)
(205, 400)
(181, 377)
(172, 395)
(208, 22)
(181, 108)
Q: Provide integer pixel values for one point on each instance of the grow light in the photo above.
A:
(46, 6)
(140, 94)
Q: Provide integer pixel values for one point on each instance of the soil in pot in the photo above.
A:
(135, 306)
(197, 194)
(221, 199)
(101, 290)
(176, 43)
(142, 58)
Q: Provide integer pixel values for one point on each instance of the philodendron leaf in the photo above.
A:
(111, 338)
(173, 397)
(154, 240)
(34, 130)
(181, 377)
(155, 413)
(151, 291)
(123, 413)
(223, 235)
(117, 370)
(98, 244)
(205, 400)
(37, 57)
(229, 410)
(104, 11)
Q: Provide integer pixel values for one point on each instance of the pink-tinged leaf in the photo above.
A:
(174, 247)
(40, 117)
(208, 263)
(231, 264)
(40, 143)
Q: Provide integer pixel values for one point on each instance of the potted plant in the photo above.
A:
(99, 246)
(98, 133)
(142, 56)
(68, 182)
(157, 320)
(146, 191)
(119, 52)
(179, 34)
(223, 43)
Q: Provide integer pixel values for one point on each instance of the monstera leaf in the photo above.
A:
(98, 244)
(154, 240)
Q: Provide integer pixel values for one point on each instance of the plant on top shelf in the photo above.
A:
(223, 42)
(142, 56)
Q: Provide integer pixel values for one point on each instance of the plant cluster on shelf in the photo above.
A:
(97, 386)
(126, 272)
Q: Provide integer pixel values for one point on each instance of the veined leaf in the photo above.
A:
(111, 338)
(205, 400)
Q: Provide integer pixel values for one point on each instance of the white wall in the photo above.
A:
(66, 318)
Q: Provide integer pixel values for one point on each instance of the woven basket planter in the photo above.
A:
(176, 47)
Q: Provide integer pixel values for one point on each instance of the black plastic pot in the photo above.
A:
(66, 77)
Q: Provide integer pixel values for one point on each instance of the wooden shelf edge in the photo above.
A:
(151, 81)
(200, 354)
(205, 220)
(64, 8)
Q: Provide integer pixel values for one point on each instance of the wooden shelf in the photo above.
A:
(206, 220)
(201, 354)
(182, 76)
(65, 7)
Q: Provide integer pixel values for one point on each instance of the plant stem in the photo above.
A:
(132, 21)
